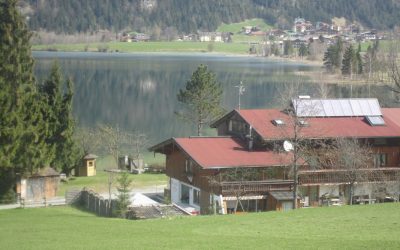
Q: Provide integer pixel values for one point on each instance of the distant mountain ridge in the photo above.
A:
(185, 16)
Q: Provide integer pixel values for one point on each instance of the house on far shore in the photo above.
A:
(247, 167)
(38, 186)
(214, 37)
(88, 167)
(141, 37)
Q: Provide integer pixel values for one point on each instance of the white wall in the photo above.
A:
(175, 190)
(176, 193)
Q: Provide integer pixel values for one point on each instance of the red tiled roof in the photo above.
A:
(322, 127)
(223, 152)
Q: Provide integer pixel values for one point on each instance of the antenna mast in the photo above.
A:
(241, 90)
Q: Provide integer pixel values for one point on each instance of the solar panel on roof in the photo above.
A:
(336, 107)
(375, 120)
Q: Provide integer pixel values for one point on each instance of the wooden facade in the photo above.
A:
(258, 131)
(39, 186)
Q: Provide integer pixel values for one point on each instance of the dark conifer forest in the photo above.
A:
(190, 16)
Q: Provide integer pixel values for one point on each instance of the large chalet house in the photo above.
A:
(247, 168)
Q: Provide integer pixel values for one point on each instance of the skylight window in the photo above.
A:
(375, 120)
(303, 123)
(278, 122)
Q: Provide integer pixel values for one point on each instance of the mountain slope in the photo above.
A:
(189, 16)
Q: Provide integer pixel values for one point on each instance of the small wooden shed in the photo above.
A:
(281, 201)
(88, 167)
(39, 186)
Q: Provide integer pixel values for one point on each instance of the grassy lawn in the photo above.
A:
(355, 227)
(183, 47)
(99, 183)
(236, 29)
(239, 45)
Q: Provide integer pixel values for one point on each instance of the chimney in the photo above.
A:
(250, 139)
(250, 144)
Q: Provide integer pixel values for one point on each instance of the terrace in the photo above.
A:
(342, 176)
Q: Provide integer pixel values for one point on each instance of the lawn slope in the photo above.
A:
(355, 227)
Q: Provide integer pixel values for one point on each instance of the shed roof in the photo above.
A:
(90, 156)
(225, 152)
(47, 171)
(282, 195)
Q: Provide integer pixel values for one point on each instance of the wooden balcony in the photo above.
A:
(337, 176)
(254, 187)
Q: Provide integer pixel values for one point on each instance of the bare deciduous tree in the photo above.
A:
(112, 139)
(351, 161)
(236, 179)
(393, 68)
(138, 141)
(88, 139)
(293, 130)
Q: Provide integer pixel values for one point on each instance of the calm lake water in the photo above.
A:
(138, 91)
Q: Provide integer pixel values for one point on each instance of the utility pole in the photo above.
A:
(241, 90)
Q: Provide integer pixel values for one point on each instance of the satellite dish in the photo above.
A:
(287, 146)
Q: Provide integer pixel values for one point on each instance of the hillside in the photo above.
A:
(348, 227)
(156, 16)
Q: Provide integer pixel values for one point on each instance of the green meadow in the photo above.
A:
(99, 183)
(239, 45)
(175, 46)
(348, 227)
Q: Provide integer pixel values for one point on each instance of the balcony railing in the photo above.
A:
(340, 176)
(255, 187)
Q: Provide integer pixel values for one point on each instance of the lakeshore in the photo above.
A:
(203, 49)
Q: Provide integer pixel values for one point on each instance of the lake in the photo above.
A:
(138, 91)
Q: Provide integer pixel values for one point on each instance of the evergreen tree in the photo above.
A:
(348, 61)
(333, 56)
(18, 131)
(123, 197)
(287, 48)
(68, 151)
(358, 61)
(201, 98)
(60, 123)
(329, 59)
(303, 50)
(16, 72)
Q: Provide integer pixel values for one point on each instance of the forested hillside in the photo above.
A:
(189, 16)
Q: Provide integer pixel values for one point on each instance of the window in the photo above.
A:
(278, 122)
(303, 123)
(196, 196)
(185, 194)
(380, 160)
(90, 163)
(189, 166)
(380, 141)
(237, 127)
(375, 120)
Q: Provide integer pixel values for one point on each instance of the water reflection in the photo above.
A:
(138, 91)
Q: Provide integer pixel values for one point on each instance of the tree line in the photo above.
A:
(80, 16)
(377, 64)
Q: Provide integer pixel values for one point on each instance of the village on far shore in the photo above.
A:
(303, 33)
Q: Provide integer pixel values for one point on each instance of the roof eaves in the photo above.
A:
(161, 144)
(215, 123)
(245, 166)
